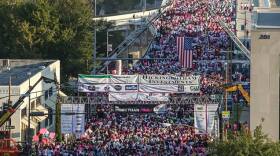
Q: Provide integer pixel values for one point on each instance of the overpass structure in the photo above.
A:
(132, 17)
(135, 18)
(145, 24)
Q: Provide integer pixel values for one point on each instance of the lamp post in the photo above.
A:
(10, 103)
(29, 110)
(144, 5)
(226, 106)
(107, 50)
(94, 44)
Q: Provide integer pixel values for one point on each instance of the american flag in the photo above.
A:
(185, 51)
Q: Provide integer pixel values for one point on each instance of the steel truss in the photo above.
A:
(231, 34)
(131, 38)
(185, 100)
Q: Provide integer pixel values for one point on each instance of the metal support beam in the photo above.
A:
(234, 38)
(131, 38)
(186, 100)
(206, 61)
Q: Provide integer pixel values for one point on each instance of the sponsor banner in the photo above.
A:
(79, 119)
(131, 87)
(204, 118)
(66, 121)
(169, 79)
(126, 88)
(93, 87)
(211, 114)
(169, 88)
(143, 79)
(158, 88)
(108, 88)
(123, 88)
(140, 83)
(138, 96)
(134, 108)
(73, 123)
(191, 89)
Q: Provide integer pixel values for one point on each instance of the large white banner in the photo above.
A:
(72, 123)
(138, 96)
(169, 79)
(169, 88)
(211, 123)
(66, 120)
(139, 83)
(204, 118)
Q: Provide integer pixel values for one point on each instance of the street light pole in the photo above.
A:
(10, 105)
(29, 110)
(94, 45)
(226, 104)
(107, 50)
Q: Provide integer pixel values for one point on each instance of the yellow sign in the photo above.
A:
(226, 114)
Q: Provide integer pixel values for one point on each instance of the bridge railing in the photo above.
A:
(231, 34)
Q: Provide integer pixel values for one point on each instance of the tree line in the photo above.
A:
(48, 29)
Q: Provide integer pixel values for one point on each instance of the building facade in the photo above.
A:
(265, 67)
(21, 74)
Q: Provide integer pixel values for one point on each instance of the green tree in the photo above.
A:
(48, 29)
(245, 144)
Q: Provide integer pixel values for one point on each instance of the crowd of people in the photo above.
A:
(192, 18)
(111, 133)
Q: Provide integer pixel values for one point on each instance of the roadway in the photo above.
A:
(132, 17)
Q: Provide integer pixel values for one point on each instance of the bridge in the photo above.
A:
(135, 18)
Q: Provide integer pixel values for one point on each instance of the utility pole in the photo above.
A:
(57, 111)
(225, 103)
(207, 35)
(10, 105)
(107, 50)
(245, 27)
(94, 44)
(144, 5)
(29, 110)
